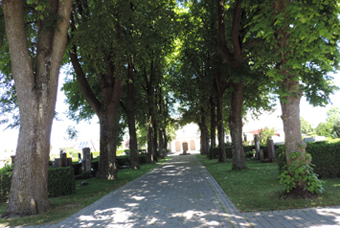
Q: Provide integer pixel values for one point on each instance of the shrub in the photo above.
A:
(61, 181)
(300, 171)
(85, 174)
(5, 186)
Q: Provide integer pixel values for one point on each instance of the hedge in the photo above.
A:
(325, 157)
(61, 182)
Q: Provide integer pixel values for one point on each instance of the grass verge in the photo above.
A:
(65, 206)
(257, 188)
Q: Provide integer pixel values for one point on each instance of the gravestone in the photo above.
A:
(57, 162)
(257, 146)
(261, 157)
(13, 159)
(63, 158)
(271, 150)
(86, 163)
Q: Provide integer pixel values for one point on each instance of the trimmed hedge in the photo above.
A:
(325, 157)
(60, 182)
(5, 186)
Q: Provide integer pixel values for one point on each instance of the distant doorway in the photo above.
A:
(185, 146)
(178, 146)
(192, 145)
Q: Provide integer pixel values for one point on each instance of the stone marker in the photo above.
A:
(86, 163)
(271, 149)
(261, 155)
(13, 159)
(57, 162)
(257, 146)
(64, 159)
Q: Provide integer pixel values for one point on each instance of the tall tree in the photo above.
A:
(301, 37)
(36, 82)
(99, 69)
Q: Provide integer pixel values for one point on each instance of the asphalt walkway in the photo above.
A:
(182, 193)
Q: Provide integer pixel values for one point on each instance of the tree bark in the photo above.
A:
(291, 118)
(36, 92)
(235, 125)
(160, 143)
(222, 157)
(154, 141)
(212, 127)
(134, 161)
(204, 135)
(150, 140)
(165, 143)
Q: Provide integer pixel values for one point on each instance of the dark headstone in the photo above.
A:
(257, 147)
(86, 163)
(56, 162)
(63, 160)
(271, 149)
(13, 159)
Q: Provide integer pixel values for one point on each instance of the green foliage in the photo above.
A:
(301, 37)
(265, 134)
(61, 181)
(300, 171)
(305, 126)
(85, 174)
(5, 186)
(336, 130)
(324, 129)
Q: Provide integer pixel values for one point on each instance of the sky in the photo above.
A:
(314, 115)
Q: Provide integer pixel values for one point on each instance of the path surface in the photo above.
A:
(182, 193)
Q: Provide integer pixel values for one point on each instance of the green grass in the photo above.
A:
(257, 188)
(65, 206)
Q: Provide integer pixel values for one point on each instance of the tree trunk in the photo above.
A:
(291, 120)
(36, 92)
(160, 143)
(150, 140)
(165, 143)
(222, 156)
(212, 127)
(134, 161)
(204, 135)
(235, 125)
(154, 140)
(108, 142)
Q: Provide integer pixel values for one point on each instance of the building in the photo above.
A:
(187, 139)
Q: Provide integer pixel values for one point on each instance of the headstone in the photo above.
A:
(69, 162)
(56, 162)
(271, 149)
(257, 146)
(64, 160)
(261, 155)
(86, 163)
(13, 159)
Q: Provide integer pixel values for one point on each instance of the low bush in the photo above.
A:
(61, 181)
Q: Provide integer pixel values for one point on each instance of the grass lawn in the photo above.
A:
(257, 188)
(65, 206)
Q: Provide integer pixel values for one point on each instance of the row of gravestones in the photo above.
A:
(63, 161)
(259, 152)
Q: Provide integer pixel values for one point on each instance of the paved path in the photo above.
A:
(182, 193)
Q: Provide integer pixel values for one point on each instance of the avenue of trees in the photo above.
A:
(131, 61)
